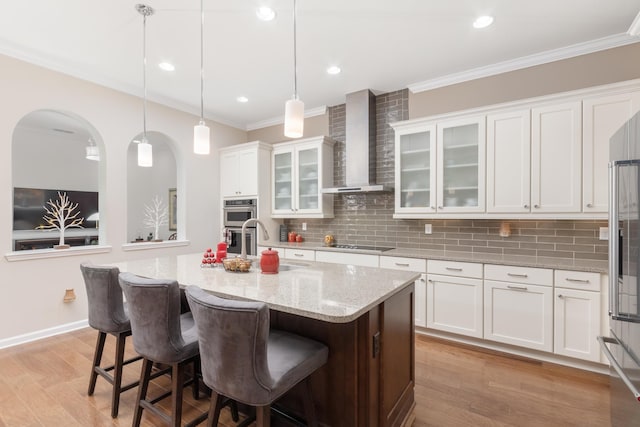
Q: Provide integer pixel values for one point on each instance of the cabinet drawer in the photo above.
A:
(399, 263)
(454, 268)
(577, 280)
(364, 260)
(530, 275)
(305, 254)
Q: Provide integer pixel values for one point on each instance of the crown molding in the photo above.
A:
(634, 29)
(318, 111)
(77, 71)
(528, 61)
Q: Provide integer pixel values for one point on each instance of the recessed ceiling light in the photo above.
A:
(242, 99)
(334, 69)
(265, 13)
(483, 21)
(166, 66)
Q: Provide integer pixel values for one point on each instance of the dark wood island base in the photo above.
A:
(369, 378)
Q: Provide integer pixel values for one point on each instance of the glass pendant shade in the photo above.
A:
(294, 118)
(92, 153)
(145, 154)
(201, 138)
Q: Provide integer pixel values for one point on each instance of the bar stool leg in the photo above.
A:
(177, 385)
(263, 416)
(309, 407)
(121, 339)
(142, 390)
(97, 358)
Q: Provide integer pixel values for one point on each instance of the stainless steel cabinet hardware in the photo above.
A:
(517, 288)
(536, 206)
(422, 280)
(440, 207)
(453, 268)
(402, 264)
(560, 296)
(569, 279)
(523, 275)
(526, 206)
(589, 205)
(298, 254)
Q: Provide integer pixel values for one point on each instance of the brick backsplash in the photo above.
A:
(367, 218)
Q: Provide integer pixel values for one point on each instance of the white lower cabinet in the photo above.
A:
(518, 306)
(300, 254)
(364, 260)
(420, 286)
(454, 303)
(577, 312)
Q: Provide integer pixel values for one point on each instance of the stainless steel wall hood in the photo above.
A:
(360, 145)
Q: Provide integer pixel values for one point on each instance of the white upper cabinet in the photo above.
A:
(415, 151)
(460, 165)
(242, 167)
(602, 117)
(556, 158)
(301, 169)
(509, 162)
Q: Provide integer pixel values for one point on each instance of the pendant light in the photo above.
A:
(201, 130)
(145, 151)
(92, 151)
(294, 108)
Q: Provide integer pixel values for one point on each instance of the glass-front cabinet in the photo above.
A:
(440, 167)
(460, 165)
(301, 169)
(416, 169)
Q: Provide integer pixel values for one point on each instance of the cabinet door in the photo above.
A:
(283, 179)
(509, 162)
(416, 170)
(556, 158)
(308, 172)
(602, 117)
(519, 314)
(454, 304)
(461, 165)
(229, 174)
(247, 172)
(420, 303)
(577, 324)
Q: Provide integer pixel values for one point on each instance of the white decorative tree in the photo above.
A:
(60, 215)
(156, 215)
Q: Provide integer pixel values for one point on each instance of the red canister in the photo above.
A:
(269, 262)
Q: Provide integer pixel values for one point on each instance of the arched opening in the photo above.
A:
(152, 192)
(55, 152)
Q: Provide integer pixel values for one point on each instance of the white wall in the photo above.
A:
(32, 290)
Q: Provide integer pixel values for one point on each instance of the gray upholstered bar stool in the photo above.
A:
(161, 335)
(108, 315)
(243, 360)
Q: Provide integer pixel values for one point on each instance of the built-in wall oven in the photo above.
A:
(234, 213)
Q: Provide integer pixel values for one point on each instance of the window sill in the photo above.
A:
(143, 246)
(56, 253)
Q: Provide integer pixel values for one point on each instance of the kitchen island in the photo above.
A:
(364, 315)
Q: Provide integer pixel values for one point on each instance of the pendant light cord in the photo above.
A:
(201, 62)
(144, 75)
(295, 59)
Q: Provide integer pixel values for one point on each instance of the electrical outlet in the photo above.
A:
(304, 226)
(604, 233)
(428, 229)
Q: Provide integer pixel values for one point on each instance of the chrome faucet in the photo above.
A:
(243, 246)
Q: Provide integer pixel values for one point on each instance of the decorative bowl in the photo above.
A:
(237, 265)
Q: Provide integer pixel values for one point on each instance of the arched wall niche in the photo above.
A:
(54, 150)
(146, 183)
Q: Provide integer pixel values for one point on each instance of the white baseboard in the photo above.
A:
(44, 333)
(600, 368)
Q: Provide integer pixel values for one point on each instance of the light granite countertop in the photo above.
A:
(595, 266)
(323, 291)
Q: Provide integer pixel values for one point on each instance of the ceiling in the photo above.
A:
(383, 45)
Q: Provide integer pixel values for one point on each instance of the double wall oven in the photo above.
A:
(234, 213)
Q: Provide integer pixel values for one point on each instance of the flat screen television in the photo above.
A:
(29, 203)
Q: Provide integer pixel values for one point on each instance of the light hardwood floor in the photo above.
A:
(45, 383)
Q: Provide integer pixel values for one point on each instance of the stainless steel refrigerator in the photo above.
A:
(622, 346)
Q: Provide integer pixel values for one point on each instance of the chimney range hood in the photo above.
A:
(360, 145)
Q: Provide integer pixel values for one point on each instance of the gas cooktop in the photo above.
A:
(363, 247)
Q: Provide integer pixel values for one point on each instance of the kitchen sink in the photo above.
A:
(289, 267)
